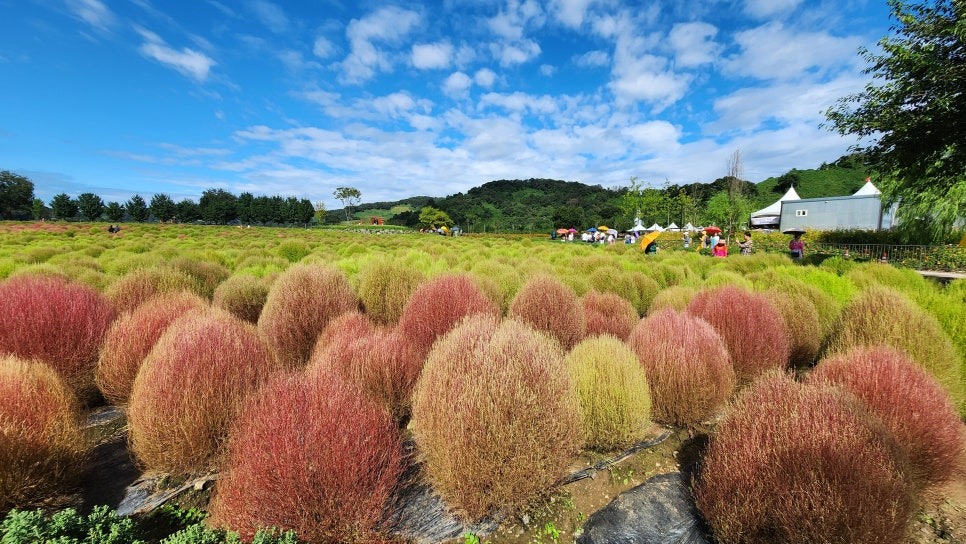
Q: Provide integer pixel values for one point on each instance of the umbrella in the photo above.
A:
(571, 229)
(591, 229)
(794, 230)
(712, 230)
(612, 231)
(562, 231)
(604, 228)
(648, 238)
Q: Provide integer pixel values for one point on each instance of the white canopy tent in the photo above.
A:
(770, 216)
(673, 226)
(868, 189)
(655, 227)
(690, 227)
(637, 228)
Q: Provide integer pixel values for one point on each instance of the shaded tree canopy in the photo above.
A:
(62, 206)
(137, 208)
(16, 196)
(162, 207)
(91, 206)
(914, 115)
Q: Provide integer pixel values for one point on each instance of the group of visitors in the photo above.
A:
(712, 240)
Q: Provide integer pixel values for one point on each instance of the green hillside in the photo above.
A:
(843, 177)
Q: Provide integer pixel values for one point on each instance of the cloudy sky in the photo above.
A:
(401, 99)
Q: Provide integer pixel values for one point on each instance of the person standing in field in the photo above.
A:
(746, 245)
(796, 247)
(720, 249)
(687, 239)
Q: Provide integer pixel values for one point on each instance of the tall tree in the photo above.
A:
(137, 208)
(349, 196)
(91, 206)
(38, 210)
(62, 206)
(319, 212)
(162, 207)
(114, 212)
(434, 218)
(187, 211)
(245, 206)
(911, 117)
(218, 206)
(16, 195)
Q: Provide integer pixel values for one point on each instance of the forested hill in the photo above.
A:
(545, 204)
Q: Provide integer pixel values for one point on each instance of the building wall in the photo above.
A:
(835, 213)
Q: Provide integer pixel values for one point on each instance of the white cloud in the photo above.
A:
(649, 79)
(457, 84)
(323, 48)
(592, 59)
(270, 15)
(295, 62)
(387, 25)
(513, 53)
(570, 12)
(485, 77)
(764, 9)
(547, 70)
(189, 62)
(511, 23)
(520, 103)
(430, 56)
(653, 136)
(772, 51)
(93, 12)
(694, 44)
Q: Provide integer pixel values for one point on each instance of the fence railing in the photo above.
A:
(946, 258)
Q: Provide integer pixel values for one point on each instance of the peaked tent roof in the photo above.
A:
(868, 189)
(655, 227)
(776, 207)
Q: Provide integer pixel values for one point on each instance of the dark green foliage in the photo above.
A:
(187, 211)
(137, 208)
(843, 177)
(16, 196)
(915, 115)
(218, 206)
(101, 526)
(114, 212)
(162, 207)
(63, 206)
(91, 206)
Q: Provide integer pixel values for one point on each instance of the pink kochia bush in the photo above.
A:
(802, 463)
(608, 313)
(62, 324)
(300, 304)
(190, 388)
(686, 364)
(548, 305)
(309, 454)
(437, 306)
(751, 327)
(495, 415)
(911, 403)
(41, 444)
(131, 337)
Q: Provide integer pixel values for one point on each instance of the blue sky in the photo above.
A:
(399, 99)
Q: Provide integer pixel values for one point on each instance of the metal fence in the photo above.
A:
(948, 257)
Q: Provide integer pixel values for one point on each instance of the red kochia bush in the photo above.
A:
(686, 364)
(309, 454)
(300, 304)
(548, 305)
(608, 313)
(802, 463)
(131, 337)
(495, 415)
(911, 403)
(59, 323)
(41, 444)
(190, 388)
(752, 329)
(437, 306)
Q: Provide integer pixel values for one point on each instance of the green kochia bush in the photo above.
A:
(615, 402)
(802, 464)
(384, 289)
(495, 415)
(243, 295)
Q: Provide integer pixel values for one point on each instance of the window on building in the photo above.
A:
(801, 213)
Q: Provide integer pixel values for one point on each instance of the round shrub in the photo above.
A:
(207, 275)
(776, 279)
(550, 306)
(309, 454)
(615, 402)
(384, 289)
(190, 388)
(686, 364)
(293, 250)
(749, 324)
(242, 295)
(910, 402)
(674, 298)
(41, 445)
(437, 306)
(334, 342)
(640, 289)
(799, 463)
(131, 337)
(137, 286)
(495, 415)
(881, 316)
(56, 322)
(801, 321)
(300, 304)
(607, 313)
